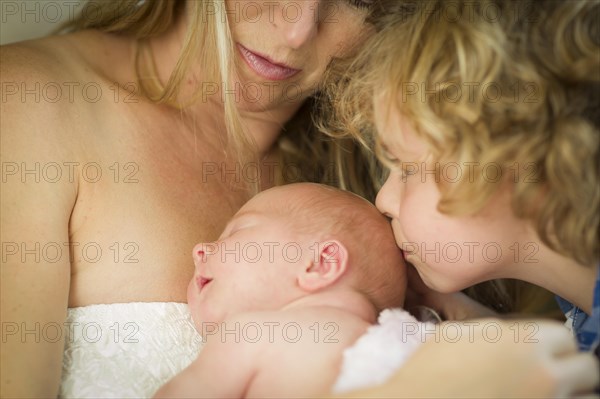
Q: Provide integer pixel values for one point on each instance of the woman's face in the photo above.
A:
(283, 47)
(449, 252)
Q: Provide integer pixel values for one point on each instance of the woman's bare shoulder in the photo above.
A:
(35, 61)
(85, 54)
(53, 85)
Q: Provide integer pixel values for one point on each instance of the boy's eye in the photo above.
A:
(389, 158)
(408, 169)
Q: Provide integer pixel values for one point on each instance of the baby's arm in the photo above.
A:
(300, 361)
(223, 369)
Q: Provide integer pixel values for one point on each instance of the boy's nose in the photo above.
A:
(388, 199)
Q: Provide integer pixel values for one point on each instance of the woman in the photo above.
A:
(147, 170)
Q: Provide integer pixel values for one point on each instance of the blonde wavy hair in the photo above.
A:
(538, 122)
(314, 156)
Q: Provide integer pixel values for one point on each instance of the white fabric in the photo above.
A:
(381, 350)
(129, 350)
(126, 350)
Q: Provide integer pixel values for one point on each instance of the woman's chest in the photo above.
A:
(145, 199)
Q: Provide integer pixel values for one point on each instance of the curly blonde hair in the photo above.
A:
(510, 84)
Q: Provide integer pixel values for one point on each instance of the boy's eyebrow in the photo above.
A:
(380, 142)
(400, 154)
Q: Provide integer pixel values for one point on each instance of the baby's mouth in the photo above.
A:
(201, 282)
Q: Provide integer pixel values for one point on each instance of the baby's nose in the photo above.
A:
(199, 253)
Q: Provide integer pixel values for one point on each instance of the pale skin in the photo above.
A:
(161, 214)
(314, 295)
(284, 366)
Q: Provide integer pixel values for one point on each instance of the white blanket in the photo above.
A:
(381, 350)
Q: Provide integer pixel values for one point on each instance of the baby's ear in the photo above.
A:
(328, 264)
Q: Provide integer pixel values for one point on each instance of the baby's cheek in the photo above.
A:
(190, 293)
(192, 302)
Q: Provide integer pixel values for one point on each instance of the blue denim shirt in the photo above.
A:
(586, 328)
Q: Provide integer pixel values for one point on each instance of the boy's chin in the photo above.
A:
(441, 284)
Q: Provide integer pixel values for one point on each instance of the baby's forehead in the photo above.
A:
(298, 191)
(308, 197)
(282, 197)
(313, 204)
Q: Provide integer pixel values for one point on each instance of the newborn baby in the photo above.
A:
(297, 276)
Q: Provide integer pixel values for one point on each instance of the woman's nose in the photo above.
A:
(299, 21)
(388, 198)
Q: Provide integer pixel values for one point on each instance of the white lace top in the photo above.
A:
(126, 350)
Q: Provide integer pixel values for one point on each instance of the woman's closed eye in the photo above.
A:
(363, 4)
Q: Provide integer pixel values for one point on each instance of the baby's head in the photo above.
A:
(292, 241)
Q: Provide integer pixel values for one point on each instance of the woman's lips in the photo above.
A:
(266, 67)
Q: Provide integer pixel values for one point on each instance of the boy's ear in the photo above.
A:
(328, 264)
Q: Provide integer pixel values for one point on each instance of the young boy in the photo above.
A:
(297, 276)
(490, 127)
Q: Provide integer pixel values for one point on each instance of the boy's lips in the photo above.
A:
(406, 253)
(403, 254)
